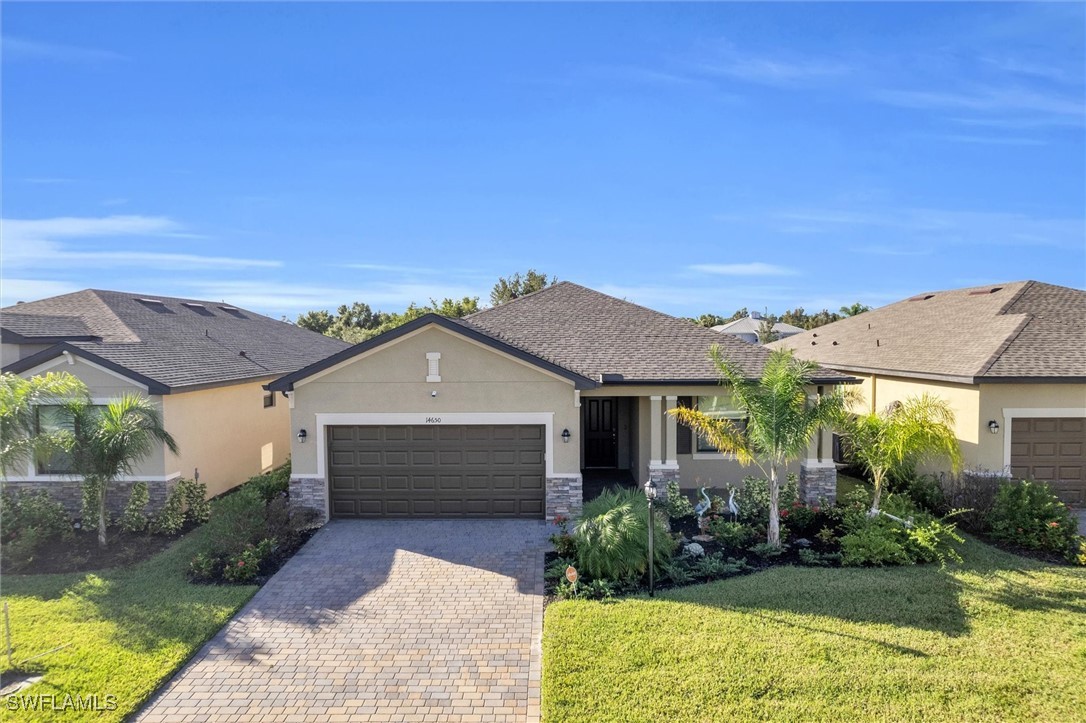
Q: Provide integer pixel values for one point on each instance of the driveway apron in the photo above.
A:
(378, 620)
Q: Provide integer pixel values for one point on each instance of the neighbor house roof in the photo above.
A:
(1020, 331)
(751, 325)
(164, 342)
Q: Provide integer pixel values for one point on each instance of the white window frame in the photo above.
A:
(695, 453)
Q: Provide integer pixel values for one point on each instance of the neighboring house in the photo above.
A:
(747, 328)
(1010, 358)
(202, 362)
(504, 412)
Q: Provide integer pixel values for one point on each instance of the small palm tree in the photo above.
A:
(110, 441)
(20, 438)
(906, 433)
(781, 419)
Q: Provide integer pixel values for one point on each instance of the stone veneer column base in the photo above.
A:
(69, 493)
(818, 483)
(661, 476)
(565, 496)
(311, 493)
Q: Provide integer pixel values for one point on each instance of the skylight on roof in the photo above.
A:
(197, 308)
(985, 292)
(153, 301)
(156, 305)
(925, 297)
(233, 311)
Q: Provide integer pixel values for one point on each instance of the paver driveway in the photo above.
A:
(381, 620)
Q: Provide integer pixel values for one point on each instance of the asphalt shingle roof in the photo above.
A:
(181, 342)
(750, 325)
(44, 326)
(594, 334)
(1019, 330)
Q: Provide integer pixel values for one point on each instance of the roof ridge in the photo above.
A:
(1002, 348)
(553, 285)
(1029, 284)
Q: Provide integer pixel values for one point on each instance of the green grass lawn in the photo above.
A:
(129, 629)
(1000, 637)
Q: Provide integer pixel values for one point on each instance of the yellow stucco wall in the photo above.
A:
(474, 379)
(226, 433)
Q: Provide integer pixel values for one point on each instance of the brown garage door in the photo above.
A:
(437, 471)
(1052, 450)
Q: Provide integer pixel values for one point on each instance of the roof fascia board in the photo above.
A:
(350, 360)
(54, 355)
(288, 382)
(1031, 380)
(904, 374)
(710, 382)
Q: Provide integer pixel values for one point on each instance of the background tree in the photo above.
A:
(111, 441)
(20, 439)
(904, 434)
(821, 319)
(319, 321)
(765, 330)
(359, 322)
(854, 309)
(709, 320)
(517, 286)
(781, 419)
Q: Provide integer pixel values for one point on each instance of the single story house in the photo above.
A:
(748, 327)
(1010, 358)
(504, 413)
(202, 362)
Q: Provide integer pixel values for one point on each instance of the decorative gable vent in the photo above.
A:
(433, 366)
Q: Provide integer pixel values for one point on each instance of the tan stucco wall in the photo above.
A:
(10, 353)
(104, 386)
(996, 399)
(881, 391)
(474, 378)
(226, 433)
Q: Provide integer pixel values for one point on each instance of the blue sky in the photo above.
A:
(692, 158)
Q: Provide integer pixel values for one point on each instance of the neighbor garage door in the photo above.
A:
(437, 471)
(1052, 450)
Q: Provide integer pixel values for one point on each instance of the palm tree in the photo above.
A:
(21, 439)
(781, 419)
(906, 433)
(855, 309)
(110, 441)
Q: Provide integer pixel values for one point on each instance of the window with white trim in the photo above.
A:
(719, 407)
(54, 418)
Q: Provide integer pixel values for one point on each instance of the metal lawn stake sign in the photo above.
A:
(571, 575)
(650, 493)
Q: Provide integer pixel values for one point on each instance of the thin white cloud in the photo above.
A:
(25, 49)
(46, 244)
(15, 290)
(988, 100)
(778, 68)
(756, 268)
(989, 140)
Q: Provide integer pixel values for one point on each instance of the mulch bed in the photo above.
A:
(81, 552)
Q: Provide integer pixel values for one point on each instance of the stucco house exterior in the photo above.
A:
(202, 362)
(504, 412)
(747, 328)
(1010, 358)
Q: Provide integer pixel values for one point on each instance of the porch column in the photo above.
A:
(671, 427)
(656, 455)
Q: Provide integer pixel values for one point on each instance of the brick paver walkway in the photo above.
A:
(381, 621)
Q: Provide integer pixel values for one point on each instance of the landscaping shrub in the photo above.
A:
(819, 559)
(556, 570)
(767, 550)
(134, 518)
(585, 590)
(803, 520)
(874, 543)
(563, 542)
(29, 520)
(713, 566)
(271, 484)
(926, 491)
(1029, 515)
(933, 541)
(1076, 555)
(612, 537)
(194, 496)
(286, 523)
(678, 505)
(245, 566)
(753, 498)
(678, 571)
(974, 493)
(732, 535)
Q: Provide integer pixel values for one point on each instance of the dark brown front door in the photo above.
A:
(600, 433)
(1053, 450)
(437, 471)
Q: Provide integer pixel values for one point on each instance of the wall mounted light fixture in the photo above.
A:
(993, 427)
(302, 435)
(565, 436)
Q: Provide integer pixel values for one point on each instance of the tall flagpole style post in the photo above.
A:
(650, 493)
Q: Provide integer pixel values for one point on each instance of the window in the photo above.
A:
(269, 399)
(53, 418)
(719, 408)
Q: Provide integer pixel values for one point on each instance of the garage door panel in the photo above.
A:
(1051, 450)
(437, 471)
